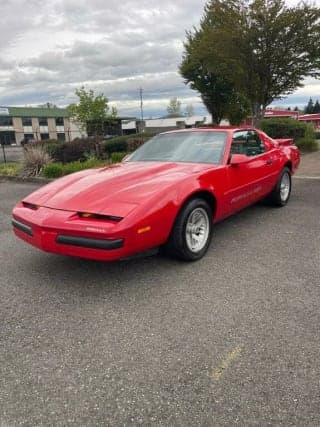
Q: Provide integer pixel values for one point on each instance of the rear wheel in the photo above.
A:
(191, 234)
(281, 193)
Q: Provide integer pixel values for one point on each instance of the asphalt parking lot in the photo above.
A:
(230, 340)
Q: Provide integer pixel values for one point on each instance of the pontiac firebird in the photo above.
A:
(168, 193)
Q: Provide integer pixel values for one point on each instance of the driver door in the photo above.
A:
(248, 181)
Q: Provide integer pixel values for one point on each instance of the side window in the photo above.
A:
(239, 141)
(254, 144)
(248, 143)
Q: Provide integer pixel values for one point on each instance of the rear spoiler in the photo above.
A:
(284, 141)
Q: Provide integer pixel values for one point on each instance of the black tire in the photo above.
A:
(281, 193)
(180, 241)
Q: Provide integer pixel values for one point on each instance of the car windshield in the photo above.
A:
(192, 147)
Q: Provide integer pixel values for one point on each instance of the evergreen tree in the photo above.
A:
(316, 108)
(309, 108)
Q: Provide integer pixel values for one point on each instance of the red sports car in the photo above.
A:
(167, 193)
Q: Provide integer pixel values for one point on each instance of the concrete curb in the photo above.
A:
(35, 180)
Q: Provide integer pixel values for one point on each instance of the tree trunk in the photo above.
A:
(213, 111)
(258, 111)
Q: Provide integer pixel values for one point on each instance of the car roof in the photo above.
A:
(211, 129)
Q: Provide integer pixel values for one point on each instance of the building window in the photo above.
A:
(61, 136)
(59, 121)
(5, 121)
(44, 136)
(26, 121)
(7, 138)
(43, 121)
(28, 137)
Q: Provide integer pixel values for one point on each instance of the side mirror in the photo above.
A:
(237, 159)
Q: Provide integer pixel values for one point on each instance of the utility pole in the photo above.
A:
(141, 110)
(141, 102)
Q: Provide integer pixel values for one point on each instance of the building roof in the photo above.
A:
(307, 117)
(37, 112)
(280, 113)
(172, 121)
(42, 112)
(169, 122)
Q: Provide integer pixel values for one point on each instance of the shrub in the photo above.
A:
(126, 143)
(35, 158)
(144, 135)
(53, 170)
(43, 143)
(136, 142)
(79, 166)
(307, 144)
(115, 145)
(310, 131)
(117, 138)
(9, 169)
(79, 149)
(83, 148)
(47, 141)
(55, 150)
(286, 128)
(317, 134)
(116, 157)
(73, 167)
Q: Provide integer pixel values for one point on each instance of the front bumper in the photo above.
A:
(64, 232)
(22, 227)
(89, 242)
(60, 232)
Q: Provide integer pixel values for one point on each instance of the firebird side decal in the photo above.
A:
(247, 194)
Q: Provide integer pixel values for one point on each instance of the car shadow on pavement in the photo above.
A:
(68, 275)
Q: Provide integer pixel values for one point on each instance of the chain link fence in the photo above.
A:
(10, 153)
(12, 143)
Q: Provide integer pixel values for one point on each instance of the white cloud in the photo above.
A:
(50, 48)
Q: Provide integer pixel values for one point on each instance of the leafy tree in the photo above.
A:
(217, 93)
(296, 109)
(262, 48)
(189, 110)
(237, 110)
(92, 111)
(174, 108)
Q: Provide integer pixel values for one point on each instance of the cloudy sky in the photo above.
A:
(50, 48)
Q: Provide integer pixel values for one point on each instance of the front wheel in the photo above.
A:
(281, 193)
(191, 233)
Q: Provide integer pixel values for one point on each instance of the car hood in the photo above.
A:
(115, 189)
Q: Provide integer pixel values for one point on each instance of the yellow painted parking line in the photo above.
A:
(226, 363)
